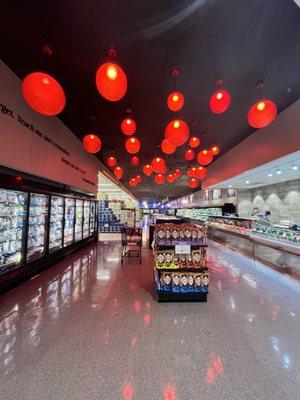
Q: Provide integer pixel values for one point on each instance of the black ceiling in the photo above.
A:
(240, 41)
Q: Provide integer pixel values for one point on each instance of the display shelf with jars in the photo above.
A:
(180, 269)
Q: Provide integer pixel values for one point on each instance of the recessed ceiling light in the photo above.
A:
(295, 167)
(279, 172)
(270, 175)
(230, 186)
(247, 182)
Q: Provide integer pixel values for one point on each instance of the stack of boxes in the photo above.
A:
(108, 221)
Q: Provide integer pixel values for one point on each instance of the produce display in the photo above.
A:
(263, 228)
(12, 224)
(174, 234)
(56, 223)
(38, 214)
(237, 225)
(199, 213)
(180, 262)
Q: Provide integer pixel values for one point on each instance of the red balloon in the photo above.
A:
(177, 132)
(158, 165)
(111, 81)
(194, 142)
(138, 178)
(262, 113)
(91, 143)
(193, 183)
(200, 172)
(167, 147)
(118, 172)
(192, 172)
(132, 145)
(175, 101)
(128, 126)
(135, 161)
(215, 150)
(159, 179)
(220, 101)
(170, 178)
(147, 169)
(189, 155)
(205, 157)
(133, 182)
(43, 93)
(111, 161)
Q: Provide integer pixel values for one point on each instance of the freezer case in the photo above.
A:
(37, 226)
(86, 219)
(56, 223)
(13, 206)
(69, 221)
(78, 220)
(92, 217)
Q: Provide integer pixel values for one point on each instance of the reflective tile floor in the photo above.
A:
(90, 329)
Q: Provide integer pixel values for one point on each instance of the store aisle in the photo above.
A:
(89, 329)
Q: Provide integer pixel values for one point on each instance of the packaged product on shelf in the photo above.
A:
(191, 282)
(188, 233)
(169, 257)
(176, 261)
(161, 234)
(175, 282)
(205, 280)
(166, 281)
(175, 233)
(197, 281)
(182, 261)
(181, 233)
(189, 261)
(184, 283)
(160, 259)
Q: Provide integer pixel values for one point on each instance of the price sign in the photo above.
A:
(182, 249)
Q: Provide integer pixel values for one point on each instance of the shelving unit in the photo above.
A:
(180, 270)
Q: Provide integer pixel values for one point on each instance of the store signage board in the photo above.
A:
(182, 249)
(40, 145)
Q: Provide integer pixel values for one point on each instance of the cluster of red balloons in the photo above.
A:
(118, 172)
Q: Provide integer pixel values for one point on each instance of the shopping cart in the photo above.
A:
(131, 243)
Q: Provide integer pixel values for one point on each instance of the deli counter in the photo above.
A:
(272, 244)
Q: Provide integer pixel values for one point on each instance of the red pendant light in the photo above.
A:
(189, 155)
(147, 169)
(167, 147)
(215, 150)
(91, 143)
(132, 145)
(111, 81)
(220, 101)
(193, 183)
(138, 178)
(135, 161)
(262, 113)
(111, 161)
(194, 142)
(177, 173)
(200, 172)
(118, 172)
(159, 179)
(128, 126)
(133, 182)
(170, 178)
(158, 165)
(177, 132)
(205, 157)
(175, 101)
(43, 93)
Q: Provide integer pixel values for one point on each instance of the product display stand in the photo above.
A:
(180, 270)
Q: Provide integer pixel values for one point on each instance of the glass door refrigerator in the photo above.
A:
(37, 226)
(69, 221)
(92, 217)
(13, 206)
(56, 223)
(78, 220)
(86, 218)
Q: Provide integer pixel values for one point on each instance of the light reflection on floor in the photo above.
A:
(91, 329)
